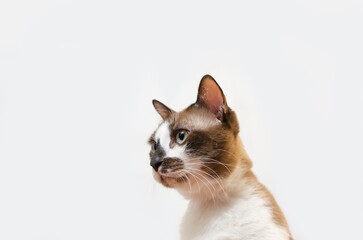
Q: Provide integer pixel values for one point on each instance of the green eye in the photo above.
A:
(181, 136)
(154, 146)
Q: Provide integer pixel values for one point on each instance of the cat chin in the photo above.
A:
(166, 181)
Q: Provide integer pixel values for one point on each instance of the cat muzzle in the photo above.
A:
(167, 164)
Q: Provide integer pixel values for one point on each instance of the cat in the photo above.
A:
(198, 152)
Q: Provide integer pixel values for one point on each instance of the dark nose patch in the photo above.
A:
(157, 158)
(155, 164)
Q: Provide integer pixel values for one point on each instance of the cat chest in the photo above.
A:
(241, 220)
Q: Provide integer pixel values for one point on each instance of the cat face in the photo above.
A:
(197, 147)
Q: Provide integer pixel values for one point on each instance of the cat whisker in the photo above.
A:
(218, 162)
(217, 179)
(226, 164)
(190, 186)
(203, 165)
(209, 158)
(182, 178)
(186, 175)
(193, 174)
(210, 184)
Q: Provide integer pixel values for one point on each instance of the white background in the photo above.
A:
(76, 83)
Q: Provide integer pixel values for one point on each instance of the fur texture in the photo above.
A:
(198, 152)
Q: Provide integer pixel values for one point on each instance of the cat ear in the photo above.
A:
(163, 110)
(211, 96)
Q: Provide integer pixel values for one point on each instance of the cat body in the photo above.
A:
(198, 152)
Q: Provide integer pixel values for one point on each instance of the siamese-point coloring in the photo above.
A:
(198, 152)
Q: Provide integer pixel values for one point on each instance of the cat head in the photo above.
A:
(196, 149)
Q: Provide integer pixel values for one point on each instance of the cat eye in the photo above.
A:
(181, 136)
(154, 146)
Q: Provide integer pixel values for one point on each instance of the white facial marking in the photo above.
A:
(163, 135)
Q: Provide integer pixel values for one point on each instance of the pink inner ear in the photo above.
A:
(212, 96)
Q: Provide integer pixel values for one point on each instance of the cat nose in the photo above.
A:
(156, 164)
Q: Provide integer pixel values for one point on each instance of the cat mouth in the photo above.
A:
(170, 179)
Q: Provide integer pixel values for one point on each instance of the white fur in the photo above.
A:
(163, 135)
(244, 216)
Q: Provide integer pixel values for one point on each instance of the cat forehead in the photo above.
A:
(189, 119)
(194, 118)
